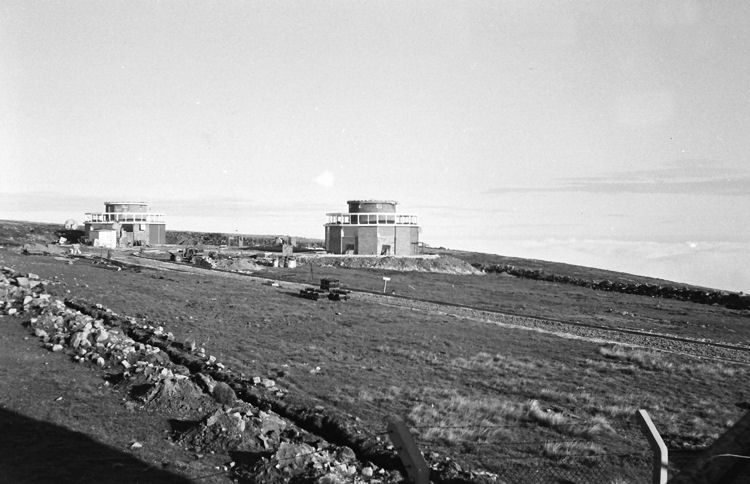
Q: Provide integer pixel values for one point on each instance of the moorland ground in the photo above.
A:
(509, 400)
(497, 398)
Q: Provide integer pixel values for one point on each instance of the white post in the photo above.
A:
(385, 283)
(660, 460)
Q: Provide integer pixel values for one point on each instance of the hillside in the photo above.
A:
(501, 378)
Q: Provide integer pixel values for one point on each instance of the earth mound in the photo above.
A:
(429, 263)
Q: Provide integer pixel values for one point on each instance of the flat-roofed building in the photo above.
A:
(372, 227)
(134, 224)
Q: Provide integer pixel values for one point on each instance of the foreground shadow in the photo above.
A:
(32, 451)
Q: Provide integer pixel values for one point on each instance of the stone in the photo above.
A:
(57, 348)
(205, 382)
(346, 454)
(268, 383)
(367, 471)
(32, 276)
(224, 394)
(40, 333)
(12, 311)
(102, 336)
(77, 339)
(22, 281)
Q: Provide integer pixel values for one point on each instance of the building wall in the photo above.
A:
(349, 239)
(372, 240)
(407, 239)
(333, 240)
(364, 206)
(157, 234)
(125, 207)
(103, 238)
(386, 242)
(128, 234)
(366, 241)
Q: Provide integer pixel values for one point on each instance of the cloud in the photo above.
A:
(325, 179)
(721, 186)
(691, 177)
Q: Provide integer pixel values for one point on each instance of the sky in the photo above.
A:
(612, 134)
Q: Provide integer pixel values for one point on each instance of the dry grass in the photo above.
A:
(574, 398)
(497, 362)
(597, 424)
(643, 358)
(561, 450)
(455, 419)
(421, 356)
(660, 361)
(387, 394)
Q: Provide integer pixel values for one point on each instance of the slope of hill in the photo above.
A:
(600, 279)
(527, 378)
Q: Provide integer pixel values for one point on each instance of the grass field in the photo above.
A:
(523, 404)
(509, 401)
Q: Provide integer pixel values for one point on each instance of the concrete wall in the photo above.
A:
(406, 240)
(333, 239)
(367, 241)
(157, 234)
(371, 240)
(386, 240)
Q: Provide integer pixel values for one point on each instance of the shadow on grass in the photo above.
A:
(36, 451)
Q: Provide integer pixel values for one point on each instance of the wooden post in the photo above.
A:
(414, 463)
(659, 449)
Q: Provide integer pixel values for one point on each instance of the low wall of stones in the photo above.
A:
(731, 300)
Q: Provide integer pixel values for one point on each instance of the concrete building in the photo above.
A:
(372, 227)
(132, 222)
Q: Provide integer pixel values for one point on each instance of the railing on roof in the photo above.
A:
(125, 217)
(379, 218)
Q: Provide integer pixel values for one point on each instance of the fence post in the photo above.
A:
(408, 452)
(660, 461)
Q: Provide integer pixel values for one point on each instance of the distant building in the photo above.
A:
(372, 227)
(132, 223)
